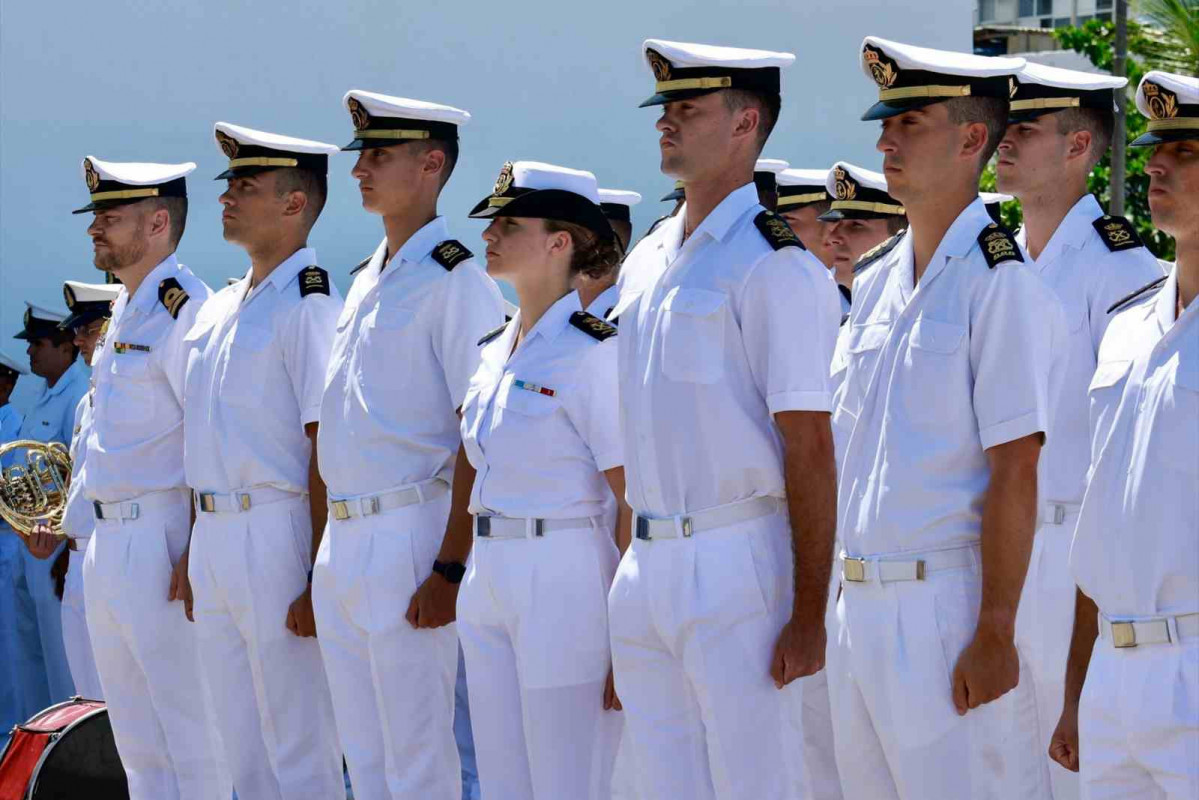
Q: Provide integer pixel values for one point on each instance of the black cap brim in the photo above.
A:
(81, 318)
(556, 204)
(662, 98)
(836, 215)
(1162, 137)
(106, 204)
(1016, 117)
(677, 194)
(242, 172)
(893, 108)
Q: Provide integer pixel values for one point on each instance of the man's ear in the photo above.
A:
(295, 204)
(747, 121)
(434, 161)
(974, 141)
(1081, 143)
(160, 222)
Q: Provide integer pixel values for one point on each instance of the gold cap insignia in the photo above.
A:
(68, 294)
(882, 69)
(358, 114)
(659, 65)
(28, 316)
(504, 182)
(1163, 104)
(846, 188)
(1011, 86)
(90, 176)
(228, 144)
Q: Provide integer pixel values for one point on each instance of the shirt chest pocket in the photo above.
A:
(386, 348)
(248, 364)
(1181, 415)
(863, 345)
(524, 418)
(938, 385)
(132, 395)
(693, 324)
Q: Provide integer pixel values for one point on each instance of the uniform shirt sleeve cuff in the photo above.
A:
(799, 401)
(310, 414)
(1013, 429)
(607, 461)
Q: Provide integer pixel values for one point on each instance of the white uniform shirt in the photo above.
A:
(604, 303)
(938, 373)
(255, 377)
(10, 429)
(541, 426)
(78, 519)
(1087, 278)
(718, 333)
(403, 355)
(1136, 547)
(52, 418)
(136, 441)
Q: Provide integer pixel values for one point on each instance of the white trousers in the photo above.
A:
(145, 650)
(1044, 624)
(45, 676)
(392, 685)
(694, 622)
(820, 754)
(533, 620)
(897, 732)
(268, 685)
(1138, 723)
(75, 637)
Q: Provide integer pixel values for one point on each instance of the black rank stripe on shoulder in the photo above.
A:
(492, 334)
(1144, 291)
(877, 252)
(451, 253)
(363, 264)
(314, 280)
(1117, 233)
(592, 325)
(776, 231)
(998, 246)
(172, 296)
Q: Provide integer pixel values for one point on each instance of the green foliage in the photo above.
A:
(1178, 24)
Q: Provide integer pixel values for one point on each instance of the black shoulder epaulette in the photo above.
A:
(998, 245)
(451, 253)
(656, 223)
(314, 280)
(1144, 290)
(776, 231)
(592, 325)
(877, 252)
(845, 292)
(1117, 233)
(172, 296)
(844, 319)
(615, 321)
(361, 265)
(491, 334)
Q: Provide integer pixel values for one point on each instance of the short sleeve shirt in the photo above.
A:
(256, 373)
(404, 350)
(718, 333)
(78, 519)
(541, 425)
(52, 417)
(939, 372)
(1136, 545)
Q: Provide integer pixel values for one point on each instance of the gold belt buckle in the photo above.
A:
(853, 569)
(207, 502)
(340, 510)
(245, 502)
(1124, 634)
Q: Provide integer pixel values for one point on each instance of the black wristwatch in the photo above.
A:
(452, 571)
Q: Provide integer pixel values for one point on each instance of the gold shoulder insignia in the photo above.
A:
(776, 231)
(1145, 290)
(998, 245)
(1117, 233)
(493, 333)
(172, 296)
(314, 280)
(877, 252)
(592, 325)
(451, 253)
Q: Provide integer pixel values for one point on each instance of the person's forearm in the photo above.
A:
(1082, 643)
(318, 494)
(1008, 525)
(811, 480)
(624, 526)
(459, 532)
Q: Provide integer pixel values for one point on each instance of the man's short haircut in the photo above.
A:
(896, 223)
(991, 111)
(821, 206)
(1101, 123)
(314, 185)
(176, 208)
(768, 104)
(59, 337)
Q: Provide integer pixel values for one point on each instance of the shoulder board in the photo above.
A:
(656, 223)
(998, 246)
(491, 334)
(845, 292)
(844, 319)
(172, 296)
(451, 253)
(1137, 295)
(608, 318)
(776, 231)
(314, 280)
(1117, 233)
(592, 325)
(877, 252)
(361, 265)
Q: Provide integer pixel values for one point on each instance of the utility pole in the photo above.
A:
(1120, 70)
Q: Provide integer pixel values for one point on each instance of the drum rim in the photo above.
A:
(57, 736)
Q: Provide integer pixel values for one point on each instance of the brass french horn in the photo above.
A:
(36, 490)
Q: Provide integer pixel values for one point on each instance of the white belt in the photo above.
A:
(1056, 513)
(368, 505)
(1136, 632)
(889, 569)
(244, 500)
(132, 509)
(686, 525)
(488, 527)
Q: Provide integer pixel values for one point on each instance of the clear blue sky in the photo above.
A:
(551, 81)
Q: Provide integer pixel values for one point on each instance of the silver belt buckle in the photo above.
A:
(686, 523)
(483, 527)
(641, 529)
(370, 505)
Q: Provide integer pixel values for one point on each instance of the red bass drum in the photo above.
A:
(65, 752)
